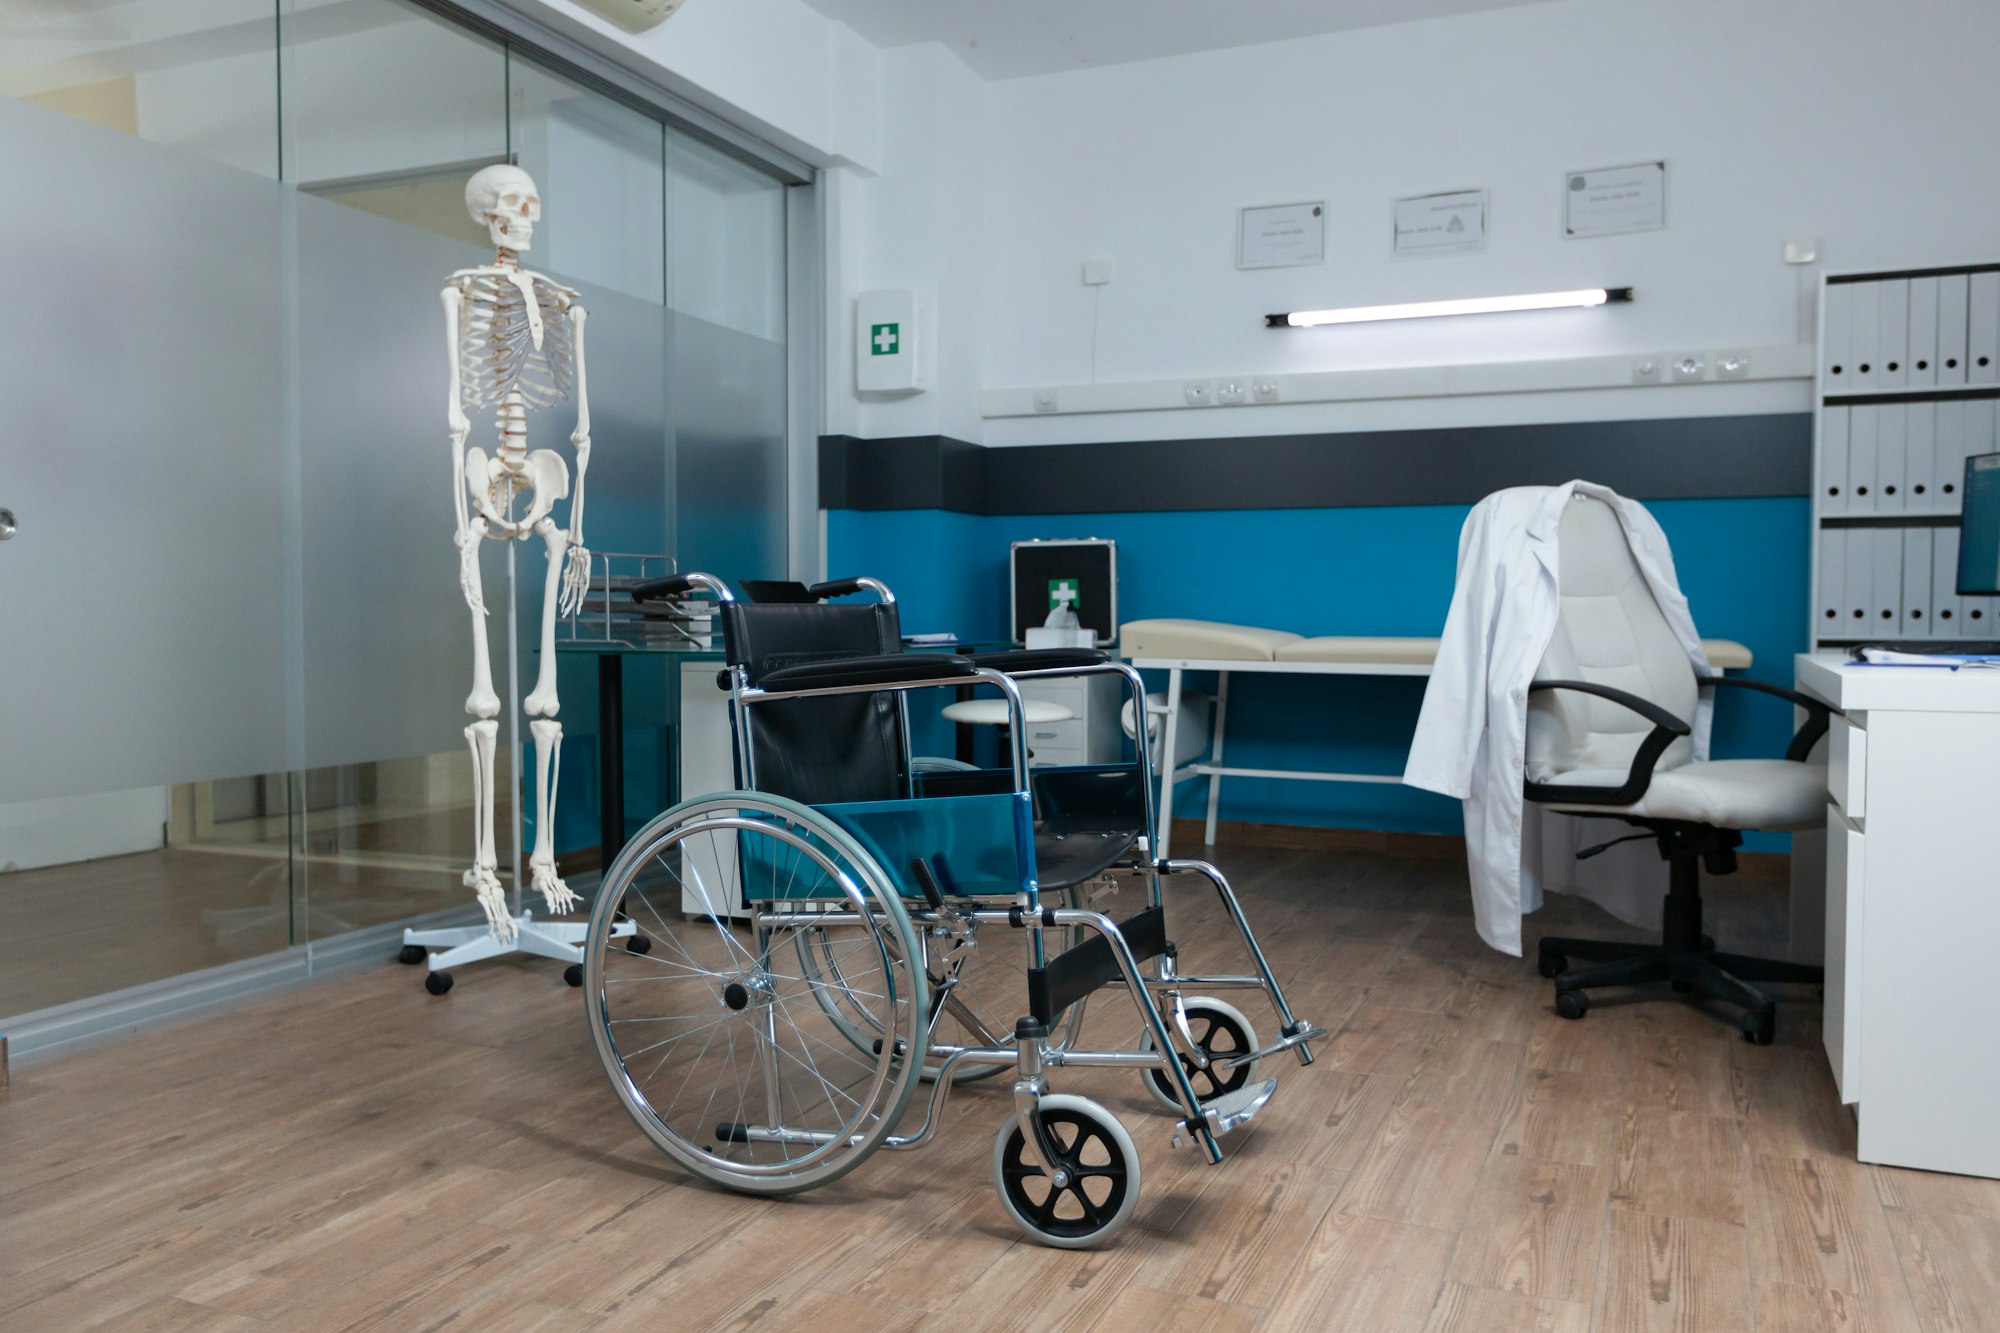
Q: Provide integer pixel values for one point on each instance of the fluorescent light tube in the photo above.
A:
(1472, 305)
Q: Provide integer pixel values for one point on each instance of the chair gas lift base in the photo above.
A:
(1686, 955)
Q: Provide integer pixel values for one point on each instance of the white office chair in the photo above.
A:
(1607, 738)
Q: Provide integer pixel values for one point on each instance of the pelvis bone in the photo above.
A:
(542, 477)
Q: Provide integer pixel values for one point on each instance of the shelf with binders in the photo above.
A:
(1876, 581)
(1908, 390)
(1918, 331)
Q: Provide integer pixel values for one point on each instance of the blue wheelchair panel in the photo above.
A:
(979, 846)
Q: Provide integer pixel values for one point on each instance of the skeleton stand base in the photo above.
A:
(561, 940)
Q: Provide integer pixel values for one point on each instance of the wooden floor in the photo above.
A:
(361, 1155)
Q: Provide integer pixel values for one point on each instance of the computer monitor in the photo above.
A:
(1979, 528)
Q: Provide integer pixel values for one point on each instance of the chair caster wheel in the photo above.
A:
(1551, 964)
(1760, 1029)
(437, 983)
(1572, 1003)
(410, 954)
(573, 974)
(638, 944)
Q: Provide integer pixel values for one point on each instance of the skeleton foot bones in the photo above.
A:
(516, 345)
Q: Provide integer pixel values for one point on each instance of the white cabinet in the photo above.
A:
(1091, 735)
(1913, 910)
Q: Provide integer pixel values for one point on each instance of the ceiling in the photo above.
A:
(1005, 39)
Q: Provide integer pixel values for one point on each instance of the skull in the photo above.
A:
(505, 200)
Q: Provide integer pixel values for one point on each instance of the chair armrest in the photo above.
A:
(1818, 714)
(1040, 659)
(851, 672)
(1666, 730)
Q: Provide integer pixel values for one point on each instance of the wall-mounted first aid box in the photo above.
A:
(888, 342)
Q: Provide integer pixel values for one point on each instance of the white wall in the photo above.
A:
(915, 224)
(1865, 122)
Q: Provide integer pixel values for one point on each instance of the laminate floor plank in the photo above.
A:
(1673, 1275)
(1534, 1228)
(359, 1155)
(1816, 1222)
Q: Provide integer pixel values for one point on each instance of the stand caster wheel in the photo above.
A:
(1551, 964)
(437, 983)
(573, 974)
(1221, 1031)
(1098, 1161)
(411, 954)
(1572, 1003)
(1760, 1029)
(638, 944)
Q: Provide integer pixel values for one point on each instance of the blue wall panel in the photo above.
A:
(1388, 570)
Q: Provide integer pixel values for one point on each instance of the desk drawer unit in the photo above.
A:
(1091, 735)
(1840, 1024)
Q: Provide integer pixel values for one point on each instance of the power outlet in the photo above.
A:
(1688, 368)
(1732, 365)
(1265, 391)
(1646, 370)
(1232, 393)
(1198, 393)
(1045, 400)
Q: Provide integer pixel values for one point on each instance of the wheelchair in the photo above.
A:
(771, 975)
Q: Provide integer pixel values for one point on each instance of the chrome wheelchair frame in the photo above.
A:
(883, 901)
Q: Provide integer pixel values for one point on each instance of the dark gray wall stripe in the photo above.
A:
(1678, 458)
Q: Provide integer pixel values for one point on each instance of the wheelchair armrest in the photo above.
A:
(892, 669)
(1040, 659)
(1818, 715)
(1666, 730)
(820, 592)
(673, 585)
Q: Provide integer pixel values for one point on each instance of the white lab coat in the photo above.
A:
(1472, 732)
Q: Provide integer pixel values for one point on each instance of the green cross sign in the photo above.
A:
(884, 339)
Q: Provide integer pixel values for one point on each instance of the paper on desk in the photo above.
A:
(1890, 657)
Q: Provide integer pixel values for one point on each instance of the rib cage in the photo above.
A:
(496, 349)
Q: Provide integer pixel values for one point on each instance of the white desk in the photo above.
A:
(1367, 657)
(1913, 909)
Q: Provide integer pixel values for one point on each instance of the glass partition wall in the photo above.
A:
(238, 653)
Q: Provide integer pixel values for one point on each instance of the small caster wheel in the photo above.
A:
(1551, 964)
(411, 954)
(1572, 1003)
(1760, 1029)
(638, 944)
(573, 974)
(437, 983)
(1221, 1031)
(1100, 1164)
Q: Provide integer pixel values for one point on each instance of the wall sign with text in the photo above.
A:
(1441, 224)
(1613, 200)
(1281, 236)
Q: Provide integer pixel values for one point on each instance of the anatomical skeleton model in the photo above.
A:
(516, 346)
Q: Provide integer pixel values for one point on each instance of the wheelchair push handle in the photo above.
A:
(842, 587)
(674, 585)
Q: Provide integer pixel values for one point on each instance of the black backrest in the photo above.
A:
(828, 750)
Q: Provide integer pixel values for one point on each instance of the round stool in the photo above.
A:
(993, 712)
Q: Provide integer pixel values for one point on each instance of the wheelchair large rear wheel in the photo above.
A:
(717, 1042)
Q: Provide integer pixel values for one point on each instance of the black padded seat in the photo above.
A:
(1065, 859)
